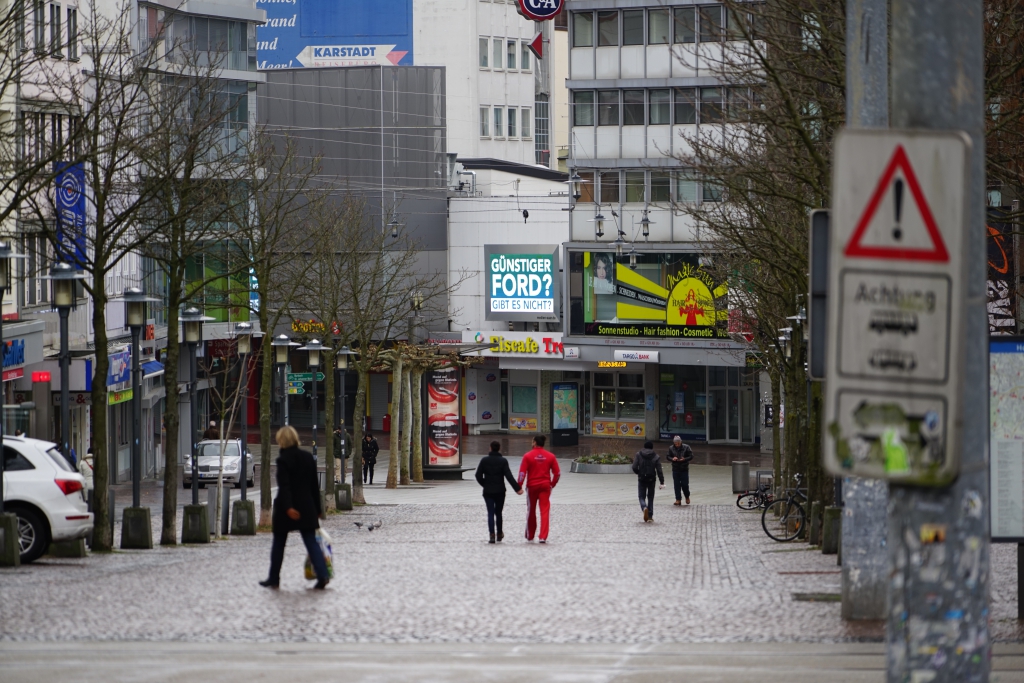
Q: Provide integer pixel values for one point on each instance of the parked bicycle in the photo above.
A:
(784, 519)
(752, 500)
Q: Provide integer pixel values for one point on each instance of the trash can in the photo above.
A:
(740, 476)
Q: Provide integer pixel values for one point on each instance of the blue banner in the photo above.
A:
(70, 206)
(120, 368)
(314, 33)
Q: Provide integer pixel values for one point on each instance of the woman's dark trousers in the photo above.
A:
(316, 555)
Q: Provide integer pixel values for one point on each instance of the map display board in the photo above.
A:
(565, 406)
(1006, 438)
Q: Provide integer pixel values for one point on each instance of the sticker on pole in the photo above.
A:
(895, 330)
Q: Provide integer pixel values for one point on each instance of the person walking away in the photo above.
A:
(370, 450)
(647, 466)
(85, 469)
(211, 433)
(296, 508)
(339, 453)
(680, 455)
(539, 470)
(491, 473)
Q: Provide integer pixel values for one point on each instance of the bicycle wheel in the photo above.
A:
(787, 524)
(748, 501)
(766, 500)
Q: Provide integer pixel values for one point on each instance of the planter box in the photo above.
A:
(583, 468)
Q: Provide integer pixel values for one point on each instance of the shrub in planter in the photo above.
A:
(605, 459)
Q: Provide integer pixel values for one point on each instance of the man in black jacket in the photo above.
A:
(680, 455)
(370, 449)
(647, 466)
(491, 473)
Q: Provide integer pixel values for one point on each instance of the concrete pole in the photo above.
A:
(938, 595)
(864, 501)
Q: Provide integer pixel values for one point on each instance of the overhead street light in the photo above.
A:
(63, 279)
(314, 347)
(282, 345)
(243, 343)
(192, 320)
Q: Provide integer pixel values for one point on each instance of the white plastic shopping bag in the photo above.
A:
(323, 540)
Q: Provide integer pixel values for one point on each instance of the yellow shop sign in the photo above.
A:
(115, 397)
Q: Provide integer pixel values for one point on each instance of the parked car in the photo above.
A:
(209, 464)
(46, 493)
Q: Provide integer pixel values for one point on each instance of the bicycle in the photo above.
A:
(787, 515)
(752, 500)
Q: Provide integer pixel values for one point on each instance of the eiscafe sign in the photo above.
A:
(517, 344)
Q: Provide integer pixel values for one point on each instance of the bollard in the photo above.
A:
(211, 509)
(74, 548)
(111, 507)
(195, 524)
(815, 538)
(243, 518)
(225, 510)
(136, 529)
(10, 549)
(343, 496)
(831, 528)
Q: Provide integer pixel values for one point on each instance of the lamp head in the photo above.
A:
(192, 320)
(243, 338)
(282, 344)
(62, 279)
(314, 347)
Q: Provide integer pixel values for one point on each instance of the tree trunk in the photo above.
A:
(169, 526)
(417, 425)
(101, 536)
(406, 425)
(396, 422)
(359, 412)
(329, 424)
(266, 394)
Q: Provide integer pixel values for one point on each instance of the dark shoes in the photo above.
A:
(501, 536)
(492, 539)
(269, 584)
(678, 502)
(687, 500)
(321, 584)
(647, 515)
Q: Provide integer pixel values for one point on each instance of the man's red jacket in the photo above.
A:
(539, 469)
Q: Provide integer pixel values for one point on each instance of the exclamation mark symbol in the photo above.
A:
(897, 232)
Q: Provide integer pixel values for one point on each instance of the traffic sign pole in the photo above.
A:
(939, 537)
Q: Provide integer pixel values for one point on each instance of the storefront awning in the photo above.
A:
(152, 368)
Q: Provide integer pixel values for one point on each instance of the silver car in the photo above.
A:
(209, 464)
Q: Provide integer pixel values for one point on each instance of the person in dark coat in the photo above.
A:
(491, 473)
(296, 508)
(212, 433)
(370, 449)
(680, 455)
(647, 467)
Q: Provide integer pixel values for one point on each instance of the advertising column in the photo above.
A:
(443, 433)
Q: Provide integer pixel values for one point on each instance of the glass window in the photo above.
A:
(583, 108)
(734, 29)
(710, 105)
(632, 107)
(72, 33)
(686, 105)
(683, 400)
(496, 49)
(485, 121)
(607, 28)
(685, 25)
(510, 54)
(484, 49)
(660, 187)
(586, 188)
(15, 461)
(499, 125)
(631, 403)
(56, 42)
(524, 400)
(658, 26)
(633, 27)
(608, 108)
(710, 23)
(711, 191)
(686, 187)
(604, 402)
(631, 380)
(661, 106)
(604, 379)
(635, 186)
(738, 104)
(717, 376)
(583, 29)
(512, 132)
(610, 188)
(524, 56)
(524, 123)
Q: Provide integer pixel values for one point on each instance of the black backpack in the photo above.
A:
(647, 469)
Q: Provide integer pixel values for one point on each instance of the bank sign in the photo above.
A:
(522, 282)
(540, 10)
(314, 33)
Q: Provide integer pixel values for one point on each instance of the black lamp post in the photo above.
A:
(135, 301)
(314, 347)
(192, 320)
(63, 278)
(6, 254)
(243, 341)
(282, 344)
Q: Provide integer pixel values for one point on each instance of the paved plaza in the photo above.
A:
(700, 594)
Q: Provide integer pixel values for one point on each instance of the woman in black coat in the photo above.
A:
(296, 508)
(370, 449)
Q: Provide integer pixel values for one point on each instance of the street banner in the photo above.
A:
(443, 430)
(70, 209)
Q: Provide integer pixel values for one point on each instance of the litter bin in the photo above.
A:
(740, 476)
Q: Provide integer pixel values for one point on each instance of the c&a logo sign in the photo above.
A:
(540, 10)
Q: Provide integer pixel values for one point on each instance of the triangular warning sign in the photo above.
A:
(900, 237)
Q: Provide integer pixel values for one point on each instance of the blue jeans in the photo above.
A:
(316, 555)
(495, 502)
(645, 491)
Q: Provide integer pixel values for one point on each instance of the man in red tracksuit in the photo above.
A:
(541, 473)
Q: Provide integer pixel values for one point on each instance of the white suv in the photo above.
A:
(46, 494)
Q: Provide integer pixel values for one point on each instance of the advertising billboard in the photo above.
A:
(443, 430)
(312, 33)
(1001, 292)
(70, 205)
(668, 296)
(521, 282)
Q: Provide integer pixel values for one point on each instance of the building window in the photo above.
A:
(686, 187)
(524, 56)
(542, 140)
(583, 108)
(56, 40)
(660, 187)
(619, 395)
(512, 123)
(633, 27)
(711, 23)
(632, 107)
(661, 108)
(499, 125)
(608, 108)
(485, 122)
(610, 188)
(685, 25)
(510, 53)
(484, 49)
(607, 28)
(586, 188)
(635, 187)
(583, 29)
(496, 52)
(711, 105)
(711, 191)
(686, 105)
(36, 289)
(658, 26)
(524, 123)
(39, 25)
(524, 400)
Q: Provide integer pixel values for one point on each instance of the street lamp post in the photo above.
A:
(243, 340)
(10, 550)
(314, 347)
(63, 278)
(192, 321)
(282, 344)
